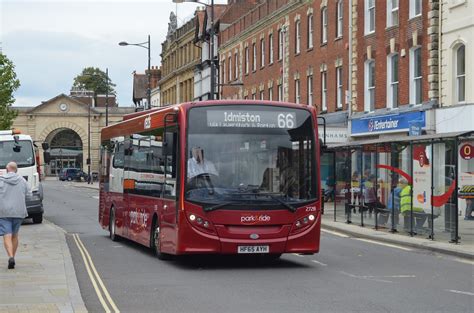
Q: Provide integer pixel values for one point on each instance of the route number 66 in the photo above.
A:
(286, 120)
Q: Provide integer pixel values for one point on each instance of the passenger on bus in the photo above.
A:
(197, 165)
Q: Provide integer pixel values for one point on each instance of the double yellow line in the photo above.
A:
(108, 304)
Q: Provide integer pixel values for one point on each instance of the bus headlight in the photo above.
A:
(303, 223)
(201, 223)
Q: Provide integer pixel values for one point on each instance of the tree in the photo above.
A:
(93, 79)
(8, 85)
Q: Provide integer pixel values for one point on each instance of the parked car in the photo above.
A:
(71, 174)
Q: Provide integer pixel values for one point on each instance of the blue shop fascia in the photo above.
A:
(406, 120)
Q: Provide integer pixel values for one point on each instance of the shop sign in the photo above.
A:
(466, 151)
(391, 123)
(333, 134)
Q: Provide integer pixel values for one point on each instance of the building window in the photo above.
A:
(324, 91)
(223, 72)
(262, 52)
(280, 44)
(280, 92)
(262, 95)
(230, 68)
(339, 24)
(270, 49)
(236, 65)
(254, 59)
(339, 91)
(415, 8)
(369, 95)
(270, 93)
(461, 73)
(369, 16)
(392, 81)
(415, 76)
(254, 96)
(310, 31)
(310, 90)
(392, 13)
(297, 37)
(324, 25)
(246, 60)
(297, 91)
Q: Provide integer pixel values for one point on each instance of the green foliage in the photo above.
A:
(93, 79)
(8, 85)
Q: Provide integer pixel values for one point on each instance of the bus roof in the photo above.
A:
(135, 122)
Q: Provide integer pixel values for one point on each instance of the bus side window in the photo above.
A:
(118, 156)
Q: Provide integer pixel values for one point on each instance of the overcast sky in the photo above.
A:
(51, 41)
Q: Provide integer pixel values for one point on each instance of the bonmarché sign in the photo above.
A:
(387, 123)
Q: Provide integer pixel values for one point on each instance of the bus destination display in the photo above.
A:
(251, 119)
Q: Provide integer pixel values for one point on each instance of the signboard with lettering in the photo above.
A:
(251, 119)
(396, 122)
(334, 134)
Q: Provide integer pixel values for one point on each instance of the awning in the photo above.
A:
(422, 138)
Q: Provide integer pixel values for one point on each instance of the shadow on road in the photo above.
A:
(218, 262)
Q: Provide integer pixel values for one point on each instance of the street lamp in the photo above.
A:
(211, 44)
(145, 45)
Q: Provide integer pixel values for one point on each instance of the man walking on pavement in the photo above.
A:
(13, 192)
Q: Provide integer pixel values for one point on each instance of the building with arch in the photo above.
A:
(63, 123)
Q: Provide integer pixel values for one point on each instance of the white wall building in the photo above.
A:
(457, 50)
(155, 97)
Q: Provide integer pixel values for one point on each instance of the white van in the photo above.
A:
(21, 150)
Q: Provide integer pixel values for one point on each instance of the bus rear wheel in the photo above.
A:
(112, 229)
(156, 243)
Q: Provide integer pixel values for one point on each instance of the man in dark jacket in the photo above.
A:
(13, 192)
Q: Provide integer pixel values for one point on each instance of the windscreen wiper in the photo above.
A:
(217, 206)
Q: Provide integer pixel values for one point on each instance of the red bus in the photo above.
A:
(220, 177)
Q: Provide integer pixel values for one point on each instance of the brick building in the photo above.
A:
(395, 72)
(289, 50)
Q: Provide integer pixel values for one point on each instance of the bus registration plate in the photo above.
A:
(253, 249)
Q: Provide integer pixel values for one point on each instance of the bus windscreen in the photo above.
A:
(250, 155)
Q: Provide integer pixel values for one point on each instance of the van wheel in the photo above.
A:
(112, 229)
(69, 178)
(156, 242)
(38, 218)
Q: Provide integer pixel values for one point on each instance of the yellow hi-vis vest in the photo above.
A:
(405, 201)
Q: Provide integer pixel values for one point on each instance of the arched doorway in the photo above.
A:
(65, 149)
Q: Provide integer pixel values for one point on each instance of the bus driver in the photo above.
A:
(197, 165)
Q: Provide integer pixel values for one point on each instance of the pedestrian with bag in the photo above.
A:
(13, 192)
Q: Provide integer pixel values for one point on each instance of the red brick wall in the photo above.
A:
(380, 47)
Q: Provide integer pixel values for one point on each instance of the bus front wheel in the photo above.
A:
(156, 242)
(112, 229)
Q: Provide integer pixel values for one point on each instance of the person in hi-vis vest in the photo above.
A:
(405, 207)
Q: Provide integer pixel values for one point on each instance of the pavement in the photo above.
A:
(44, 279)
(464, 250)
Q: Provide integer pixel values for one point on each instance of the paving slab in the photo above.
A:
(44, 279)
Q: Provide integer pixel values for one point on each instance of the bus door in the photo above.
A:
(170, 188)
(116, 187)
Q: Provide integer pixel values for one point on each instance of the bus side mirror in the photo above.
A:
(46, 157)
(168, 144)
(45, 145)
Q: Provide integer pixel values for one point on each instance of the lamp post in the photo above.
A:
(211, 44)
(145, 45)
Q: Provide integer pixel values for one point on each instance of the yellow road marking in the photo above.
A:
(91, 276)
(99, 280)
(383, 244)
